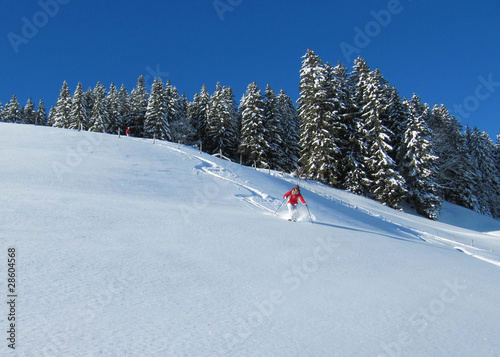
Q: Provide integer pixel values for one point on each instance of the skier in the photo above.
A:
(127, 131)
(292, 203)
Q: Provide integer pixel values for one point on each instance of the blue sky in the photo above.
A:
(445, 51)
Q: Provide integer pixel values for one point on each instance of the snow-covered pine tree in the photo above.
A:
(223, 123)
(180, 129)
(291, 130)
(355, 179)
(173, 103)
(184, 105)
(197, 114)
(497, 154)
(63, 108)
(273, 120)
(234, 124)
(41, 114)
(52, 114)
(29, 112)
(222, 126)
(89, 102)
(253, 146)
(124, 109)
(114, 119)
(319, 152)
(417, 160)
(351, 169)
(192, 111)
(342, 123)
(487, 187)
(124, 115)
(99, 119)
(156, 122)
(396, 120)
(138, 106)
(185, 131)
(12, 112)
(78, 116)
(385, 183)
(454, 167)
(362, 87)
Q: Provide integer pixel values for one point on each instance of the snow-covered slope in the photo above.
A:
(129, 248)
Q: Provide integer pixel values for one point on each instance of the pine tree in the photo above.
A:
(1, 112)
(182, 129)
(497, 153)
(273, 120)
(342, 124)
(114, 118)
(156, 121)
(12, 111)
(384, 182)
(99, 119)
(222, 123)
(41, 114)
(253, 146)
(52, 114)
(124, 110)
(396, 121)
(454, 168)
(319, 155)
(351, 173)
(291, 129)
(89, 102)
(29, 112)
(78, 116)
(417, 160)
(487, 187)
(197, 112)
(63, 108)
(138, 107)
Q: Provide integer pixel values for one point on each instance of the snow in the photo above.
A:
(129, 248)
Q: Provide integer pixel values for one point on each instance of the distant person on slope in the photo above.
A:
(294, 195)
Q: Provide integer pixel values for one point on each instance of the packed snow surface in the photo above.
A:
(125, 247)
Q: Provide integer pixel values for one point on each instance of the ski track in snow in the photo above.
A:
(425, 236)
(264, 202)
(488, 260)
(258, 199)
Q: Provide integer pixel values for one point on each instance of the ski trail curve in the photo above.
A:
(257, 199)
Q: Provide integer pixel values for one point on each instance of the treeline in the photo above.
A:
(358, 134)
(351, 131)
(262, 130)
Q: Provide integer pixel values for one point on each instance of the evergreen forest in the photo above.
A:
(349, 129)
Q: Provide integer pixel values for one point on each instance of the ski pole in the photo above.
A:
(280, 205)
(310, 217)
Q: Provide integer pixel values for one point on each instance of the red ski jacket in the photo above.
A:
(294, 198)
